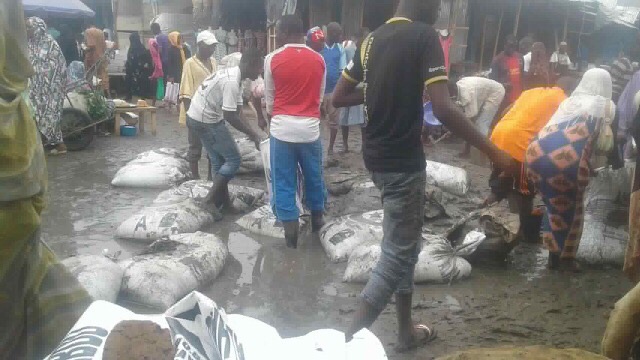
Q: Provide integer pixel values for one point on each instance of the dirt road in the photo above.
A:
(517, 302)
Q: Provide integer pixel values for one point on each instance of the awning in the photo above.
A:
(58, 8)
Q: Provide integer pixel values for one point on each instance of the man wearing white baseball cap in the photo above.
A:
(195, 70)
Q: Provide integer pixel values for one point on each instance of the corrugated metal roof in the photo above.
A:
(612, 12)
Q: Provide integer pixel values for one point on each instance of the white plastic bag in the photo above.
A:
(100, 276)
(171, 93)
(449, 178)
(200, 329)
(242, 197)
(87, 338)
(162, 278)
(341, 236)
(154, 222)
(262, 221)
(160, 168)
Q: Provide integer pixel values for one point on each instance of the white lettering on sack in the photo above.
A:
(438, 68)
(80, 344)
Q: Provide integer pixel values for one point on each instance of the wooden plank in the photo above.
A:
(495, 47)
(566, 25)
(515, 26)
(484, 37)
(352, 14)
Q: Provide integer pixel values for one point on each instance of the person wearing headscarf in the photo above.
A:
(47, 85)
(39, 299)
(626, 114)
(558, 163)
(138, 68)
(538, 73)
(68, 44)
(96, 45)
(513, 134)
(178, 55)
(158, 74)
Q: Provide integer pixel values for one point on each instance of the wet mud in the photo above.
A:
(513, 302)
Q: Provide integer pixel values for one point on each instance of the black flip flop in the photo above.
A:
(430, 334)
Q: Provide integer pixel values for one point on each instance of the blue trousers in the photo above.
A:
(219, 143)
(285, 157)
(403, 204)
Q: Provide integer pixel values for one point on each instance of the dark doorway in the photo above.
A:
(377, 12)
(244, 14)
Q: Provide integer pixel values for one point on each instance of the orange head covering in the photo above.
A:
(176, 41)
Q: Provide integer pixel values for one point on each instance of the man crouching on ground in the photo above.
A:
(294, 78)
(219, 101)
(395, 62)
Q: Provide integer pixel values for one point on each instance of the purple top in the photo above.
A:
(163, 44)
(626, 107)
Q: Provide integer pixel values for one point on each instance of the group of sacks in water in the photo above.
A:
(180, 258)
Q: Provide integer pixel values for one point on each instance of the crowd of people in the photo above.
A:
(529, 118)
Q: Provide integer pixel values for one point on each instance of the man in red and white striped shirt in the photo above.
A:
(294, 78)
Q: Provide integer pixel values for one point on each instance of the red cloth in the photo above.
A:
(446, 42)
(298, 74)
(515, 75)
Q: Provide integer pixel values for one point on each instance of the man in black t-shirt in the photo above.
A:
(395, 63)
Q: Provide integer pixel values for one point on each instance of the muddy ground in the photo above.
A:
(516, 302)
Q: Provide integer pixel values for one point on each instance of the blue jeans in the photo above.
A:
(219, 143)
(285, 157)
(402, 197)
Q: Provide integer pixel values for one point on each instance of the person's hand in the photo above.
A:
(504, 161)
(262, 123)
(257, 139)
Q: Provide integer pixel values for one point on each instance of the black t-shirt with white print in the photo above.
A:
(395, 62)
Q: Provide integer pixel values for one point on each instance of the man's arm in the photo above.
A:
(347, 94)
(257, 105)
(451, 116)
(186, 87)
(237, 120)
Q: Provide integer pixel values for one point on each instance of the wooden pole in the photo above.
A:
(566, 25)
(114, 11)
(515, 26)
(484, 37)
(495, 47)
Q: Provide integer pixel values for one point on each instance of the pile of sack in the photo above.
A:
(164, 272)
(357, 238)
(197, 328)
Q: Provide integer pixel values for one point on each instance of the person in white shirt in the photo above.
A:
(217, 101)
(560, 60)
(480, 99)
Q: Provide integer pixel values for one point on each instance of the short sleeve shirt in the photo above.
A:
(218, 93)
(395, 62)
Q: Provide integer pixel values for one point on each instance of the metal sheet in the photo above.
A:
(58, 8)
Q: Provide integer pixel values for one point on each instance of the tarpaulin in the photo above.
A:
(58, 8)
